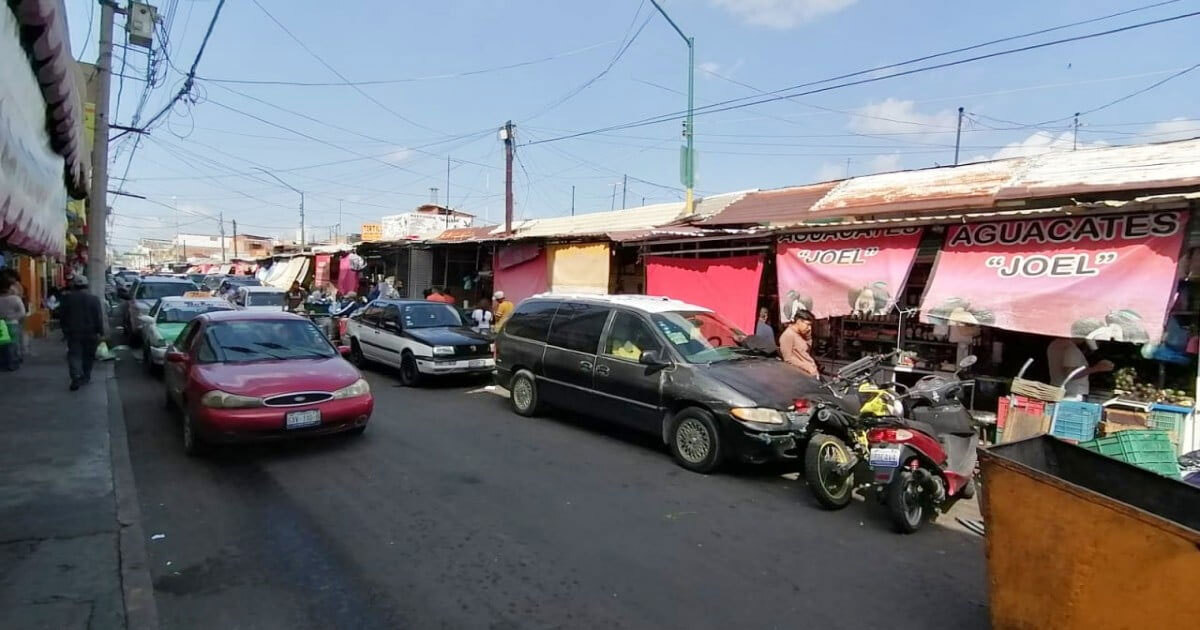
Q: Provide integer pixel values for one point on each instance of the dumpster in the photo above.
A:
(1079, 540)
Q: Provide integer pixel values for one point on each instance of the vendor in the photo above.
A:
(796, 343)
(1065, 356)
(294, 297)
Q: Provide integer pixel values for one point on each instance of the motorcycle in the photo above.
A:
(924, 463)
(836, 433)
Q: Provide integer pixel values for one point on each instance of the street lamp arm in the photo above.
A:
(671, 22)
(276, 178)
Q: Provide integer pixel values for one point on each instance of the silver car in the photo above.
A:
(142, 295)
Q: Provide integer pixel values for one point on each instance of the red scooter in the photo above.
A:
(924, 463)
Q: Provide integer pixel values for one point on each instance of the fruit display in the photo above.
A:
(1126, 384)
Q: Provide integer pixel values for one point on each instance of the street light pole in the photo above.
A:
(688, 165)
(295, 190)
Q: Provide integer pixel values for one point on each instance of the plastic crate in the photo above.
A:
(1149, 449)
(1169, 418)
(1029, 405)
(1075, 420)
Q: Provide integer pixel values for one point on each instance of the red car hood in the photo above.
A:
(269, 378)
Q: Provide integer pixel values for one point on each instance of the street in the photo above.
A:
(453, 512)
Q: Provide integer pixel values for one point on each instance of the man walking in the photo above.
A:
(83, 325)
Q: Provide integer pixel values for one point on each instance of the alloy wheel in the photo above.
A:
(693, 440)
(522, 394)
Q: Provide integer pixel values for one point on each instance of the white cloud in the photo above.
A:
(884, 163)
(1042, 142)
(901, 116)
(399, 156)
(1175, 129)
(781, 14)
(713, 68)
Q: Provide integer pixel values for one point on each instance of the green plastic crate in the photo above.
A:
(1149, 449)
(1170, 419)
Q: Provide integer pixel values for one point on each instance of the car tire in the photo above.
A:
(193, 444)
(356, 354)
(523, 394)
(410, 374)
(695, 440)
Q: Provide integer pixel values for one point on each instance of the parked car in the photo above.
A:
(229, 286)
(258, 298)
(124, 277)
(166, 320)
(673, 369)
(213, 281)
(143, 294)
(419, 337)
(239, 376)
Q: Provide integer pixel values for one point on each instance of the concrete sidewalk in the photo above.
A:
(72, 554)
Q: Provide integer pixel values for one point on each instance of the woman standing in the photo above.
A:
(12, 311)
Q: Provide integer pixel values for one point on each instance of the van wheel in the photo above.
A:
(356, 354)
(193, 444)
(695, 441)
(410, 375)
(523, 393)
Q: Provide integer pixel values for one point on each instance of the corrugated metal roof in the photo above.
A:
(462, 235)
(1128, 168)
(934, 189)
(641, 218)
(771, 206)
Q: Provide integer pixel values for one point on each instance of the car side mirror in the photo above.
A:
(344, 350)
(175, 356)
(652, 359)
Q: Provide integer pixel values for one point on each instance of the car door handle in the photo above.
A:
(601, 370)
(585, 365)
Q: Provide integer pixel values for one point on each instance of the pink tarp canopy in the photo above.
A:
(522, 279)
(728, 286)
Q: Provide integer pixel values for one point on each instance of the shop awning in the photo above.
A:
(519, 280)
(728, 286)
(834, 274)
(1102, 277)
(579, 268)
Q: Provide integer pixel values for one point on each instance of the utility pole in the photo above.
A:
(295, 190)
(958, 136)
(1075, 141)
(235, 254)
(506, 134)
(339, 225)
(447, 181)
(98, 195)
(572, 199)
(221, 217)
(612, 204)
(687, 164)
(624, 189)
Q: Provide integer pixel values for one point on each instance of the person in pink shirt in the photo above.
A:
(795, 345)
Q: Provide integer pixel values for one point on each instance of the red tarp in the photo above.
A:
(728, 286)
(321, 274)
(834, 274)
(1100, 277)
(347, 279)
(524, 279)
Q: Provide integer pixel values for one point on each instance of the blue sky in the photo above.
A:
(381, 156)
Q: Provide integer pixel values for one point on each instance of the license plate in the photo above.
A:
(301, 419)
(476, 363)
(886, 457)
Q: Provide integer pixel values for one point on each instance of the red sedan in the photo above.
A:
(242, 376)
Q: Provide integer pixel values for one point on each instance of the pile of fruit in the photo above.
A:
(1127, 385)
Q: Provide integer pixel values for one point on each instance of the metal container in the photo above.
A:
(1079, 540)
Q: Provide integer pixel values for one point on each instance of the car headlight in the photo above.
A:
(357, 388)
(224, 400)
(757, 415)
(443, 350)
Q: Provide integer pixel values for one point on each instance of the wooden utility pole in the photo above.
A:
(572, 199)
(624, 189)
(221, 218)
(958, 136)
(506, 134)
(235, 254)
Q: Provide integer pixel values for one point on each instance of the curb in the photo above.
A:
(137, 588)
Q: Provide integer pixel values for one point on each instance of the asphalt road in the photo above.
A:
(452, 512)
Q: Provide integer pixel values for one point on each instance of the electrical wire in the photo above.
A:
(778, 95)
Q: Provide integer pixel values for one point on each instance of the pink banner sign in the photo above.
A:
(321, 275)
(728, 286)
(1108, 278)
(834, 274)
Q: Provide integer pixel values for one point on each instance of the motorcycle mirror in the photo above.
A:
(967, 362)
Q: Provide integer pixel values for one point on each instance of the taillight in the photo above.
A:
(802, 405)
(889, 435)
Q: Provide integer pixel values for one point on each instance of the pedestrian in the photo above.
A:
(1065, 356)
(83, 326)
(427, 293)
(17, 289)
(12, 311)
(796, 343)
(762, 328)
(295, 296)
(482, 315)
(501, 310)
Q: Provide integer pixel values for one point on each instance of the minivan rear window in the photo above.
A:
(578, 327)
(531, 320)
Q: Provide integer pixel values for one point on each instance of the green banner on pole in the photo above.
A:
(687, 168)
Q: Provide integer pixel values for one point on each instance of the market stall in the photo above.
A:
(728, 286)
(521, 271)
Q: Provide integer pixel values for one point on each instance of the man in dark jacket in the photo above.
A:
(82, 322)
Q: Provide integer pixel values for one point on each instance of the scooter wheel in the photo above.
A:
(824, 452)
(904, 502)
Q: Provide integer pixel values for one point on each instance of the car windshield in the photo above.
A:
(155, 290)
(265, 298)
(429, 315)
(265, 340)
(183, 312)
(700, 336)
